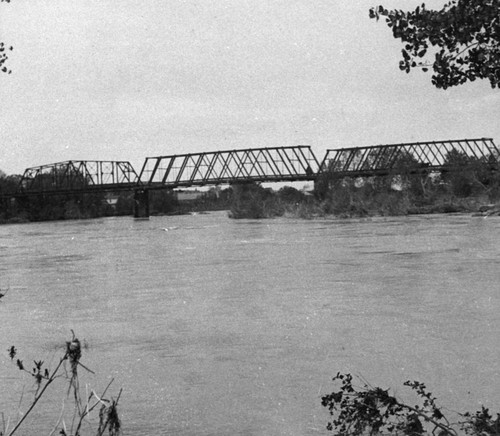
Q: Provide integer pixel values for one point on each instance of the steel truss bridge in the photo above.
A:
(273, 164)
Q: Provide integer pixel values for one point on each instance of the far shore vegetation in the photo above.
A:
(471, 187)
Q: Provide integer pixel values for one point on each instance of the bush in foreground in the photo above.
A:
(371, 410)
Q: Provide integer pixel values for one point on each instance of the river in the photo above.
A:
(213, 326)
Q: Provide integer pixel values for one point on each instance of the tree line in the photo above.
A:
(16, 207)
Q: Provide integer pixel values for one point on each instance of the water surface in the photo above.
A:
(220, 327)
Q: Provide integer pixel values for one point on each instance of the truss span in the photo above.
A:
(73, 176)
(410, 157)
(232, 166)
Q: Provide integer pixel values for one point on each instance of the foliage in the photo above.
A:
(3, 52)
(64, 206)
(125, 203)
(462, 39)
(364, 197)
(251, 200)
(67, 368)
(49, 207)
(468, 176)
(163, 201)
(8, 184)
(357, 411)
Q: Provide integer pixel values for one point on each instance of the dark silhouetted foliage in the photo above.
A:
(460, 42)
(253, 201)
(250, 201)
(3, 52)
(162, 202)
(369, 410)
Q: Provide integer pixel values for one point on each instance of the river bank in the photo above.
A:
(348, 201)
(307, 207)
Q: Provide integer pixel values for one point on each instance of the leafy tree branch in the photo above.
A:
(461, 42)
(3, 52)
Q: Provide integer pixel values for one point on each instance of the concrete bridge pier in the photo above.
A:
(141, 203)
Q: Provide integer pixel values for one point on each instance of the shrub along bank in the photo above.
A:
(474, 189)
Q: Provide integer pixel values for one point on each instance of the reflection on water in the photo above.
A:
(221, 327)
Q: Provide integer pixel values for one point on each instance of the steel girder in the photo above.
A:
(70, 176)
(410, 157)
(232, 166)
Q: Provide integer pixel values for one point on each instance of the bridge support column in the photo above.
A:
(141, 203)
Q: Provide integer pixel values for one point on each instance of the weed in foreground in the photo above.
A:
(83, 408)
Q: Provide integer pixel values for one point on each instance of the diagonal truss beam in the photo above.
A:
(271, 164)
(451, 155)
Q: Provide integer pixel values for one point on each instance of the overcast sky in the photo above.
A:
(127, 79)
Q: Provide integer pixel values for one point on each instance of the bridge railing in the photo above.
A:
(412, 157)
(70, 176)
(230, 166)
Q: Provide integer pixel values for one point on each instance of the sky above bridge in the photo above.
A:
(123, 80)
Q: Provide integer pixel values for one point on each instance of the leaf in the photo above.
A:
(12, 352)
(437, 414)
